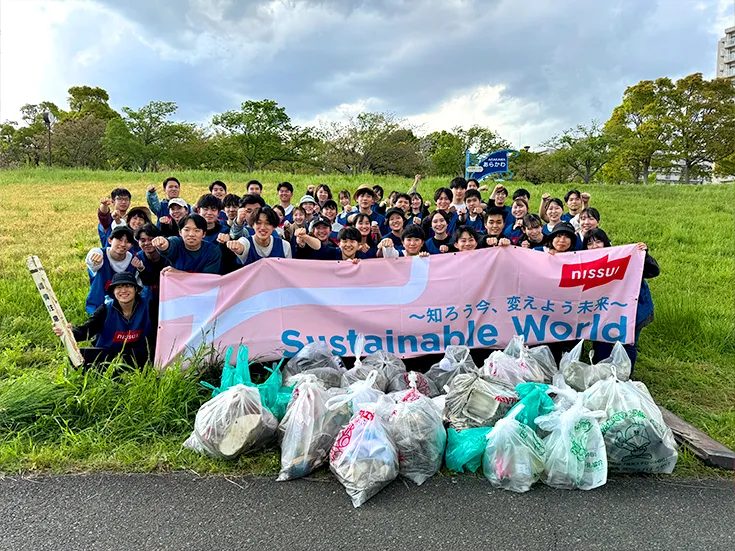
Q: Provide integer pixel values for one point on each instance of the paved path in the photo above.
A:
(183, 511)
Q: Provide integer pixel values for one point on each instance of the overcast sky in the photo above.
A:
(526, 69)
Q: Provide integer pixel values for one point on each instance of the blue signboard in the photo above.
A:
(493, 164)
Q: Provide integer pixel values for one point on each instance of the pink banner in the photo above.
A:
(407, 306)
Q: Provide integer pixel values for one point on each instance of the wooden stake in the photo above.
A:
(54, 309)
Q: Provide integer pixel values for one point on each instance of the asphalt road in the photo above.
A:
(184, 511)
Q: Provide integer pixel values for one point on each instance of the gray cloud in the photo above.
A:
(572, 57)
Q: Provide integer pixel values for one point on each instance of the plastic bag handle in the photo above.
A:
(337, 402)
(359, 346)
(413, 379)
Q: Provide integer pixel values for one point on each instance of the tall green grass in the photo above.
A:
(58, 419)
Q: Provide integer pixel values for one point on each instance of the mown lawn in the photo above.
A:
(138, 421)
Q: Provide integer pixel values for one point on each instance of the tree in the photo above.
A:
(86, 101)
(371, 142)
(584, 149)
(140, 138)
(259, 134)
(447, 149)
(699, 122)
(77, 142)
(637, 130)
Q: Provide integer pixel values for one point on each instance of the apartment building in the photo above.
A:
(726, 55)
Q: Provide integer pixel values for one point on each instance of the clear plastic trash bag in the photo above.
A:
(456, 361)
(364, 458)
(513, 371)
(401, 381)
(476, 400)
(575, 448)
(308, 430)
(418, 433)
(539, 358)
(384, 362)
(232, 423)
(514, 456)
(314, 355)
(636, 437)
(580, 376)
(359, 372)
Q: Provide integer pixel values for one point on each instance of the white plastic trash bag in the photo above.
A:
(456, 361)
(636, 437)
(231, 423)
(580, 376)
(575, 449)
(418, 433)
(477, 401)
(355, 395)
(514, 456)
(364, 458)
(308, 430)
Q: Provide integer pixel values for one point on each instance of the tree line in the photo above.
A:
(659, 126)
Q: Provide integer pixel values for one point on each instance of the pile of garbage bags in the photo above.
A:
(519, 418)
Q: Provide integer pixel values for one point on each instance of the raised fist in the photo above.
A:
(151, 188)
(160, 242)
(165, 219)
(236, 247)
(137, 263)
(223, 238)
(96, 258)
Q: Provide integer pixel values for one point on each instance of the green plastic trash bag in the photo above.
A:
(465, 448)
(534, 401)
(273, 395)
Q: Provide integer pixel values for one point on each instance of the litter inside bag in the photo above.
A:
(636, 437)
(456, 361)
(575, 449)
(539, 358)
(424, 385)
(386, 363)
(465, 448)
(512, 370)
(476, 400)
(314, 355)
(514, 456)
(329, 376)
(308, 430)
(418, 433)
(231, 423)
(364, 458)
(580, 376)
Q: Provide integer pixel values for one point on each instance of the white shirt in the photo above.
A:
(118, 266)
(262, 251)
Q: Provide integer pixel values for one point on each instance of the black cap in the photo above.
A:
(319, 220)
(564, 228)
(120, 230)
(123, 278)
(392, 211)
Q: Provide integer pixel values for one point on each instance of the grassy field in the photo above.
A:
(55, 419)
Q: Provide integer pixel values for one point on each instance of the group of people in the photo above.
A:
(223, 232)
